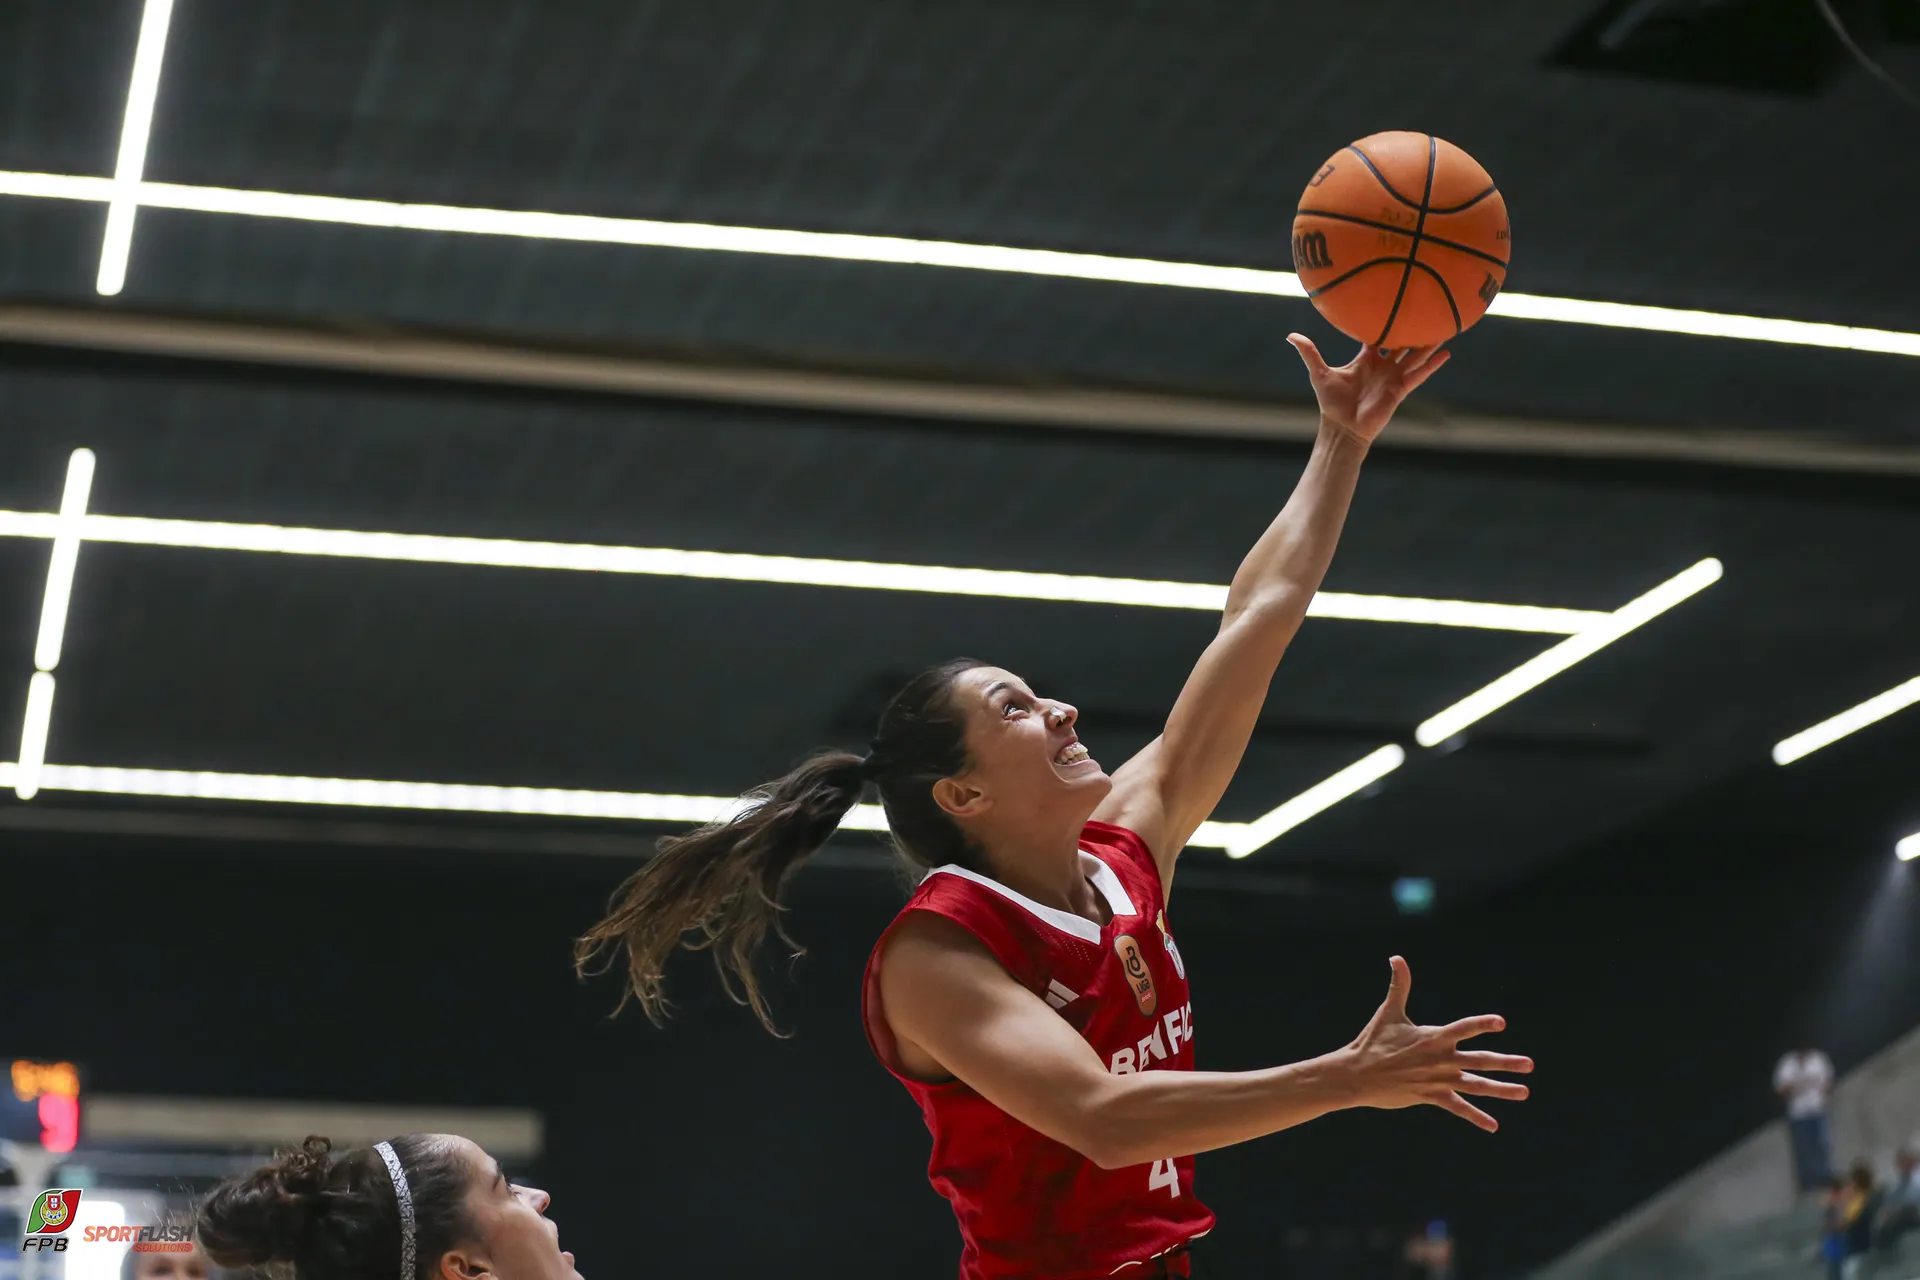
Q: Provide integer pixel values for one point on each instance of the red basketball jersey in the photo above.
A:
(1029, 1206)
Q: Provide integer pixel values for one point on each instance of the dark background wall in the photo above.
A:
(1655, 978)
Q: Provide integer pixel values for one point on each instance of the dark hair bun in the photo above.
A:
(267, 1215)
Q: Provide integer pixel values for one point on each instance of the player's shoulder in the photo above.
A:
(920, 934)
(955, 906)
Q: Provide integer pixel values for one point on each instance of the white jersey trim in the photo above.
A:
(1108, 884)
(1097, 872)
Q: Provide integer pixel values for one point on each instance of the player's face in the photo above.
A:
(515, 1238)
(171, 1266)
(1027, 756)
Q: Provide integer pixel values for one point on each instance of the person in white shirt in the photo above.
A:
(1900, 1214)
(1804, 1078)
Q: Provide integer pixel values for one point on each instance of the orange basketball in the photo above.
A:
(1401, 240)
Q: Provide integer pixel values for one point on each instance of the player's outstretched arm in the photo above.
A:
(947, 998)
(1167, 791)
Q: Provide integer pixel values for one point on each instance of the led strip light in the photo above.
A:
(365, 793)
(791, 570)
(1575, 648)
(590, 229)
(73, 524)
(135, 130)
(1852, 720)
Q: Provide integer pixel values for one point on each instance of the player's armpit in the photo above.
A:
(944, 992)
(1173, 785)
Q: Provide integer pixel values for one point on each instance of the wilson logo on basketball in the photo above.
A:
(1310, 251)
(1139, 977)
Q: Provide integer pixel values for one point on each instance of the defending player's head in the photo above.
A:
(417, 1207)
(965, 755)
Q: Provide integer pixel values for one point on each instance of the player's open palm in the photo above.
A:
(1360, 396)
(1401, 1064)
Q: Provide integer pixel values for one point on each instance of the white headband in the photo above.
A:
(404, 1197)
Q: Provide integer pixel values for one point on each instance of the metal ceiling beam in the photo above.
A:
(407, 354)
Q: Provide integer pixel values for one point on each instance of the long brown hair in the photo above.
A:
(718, 889)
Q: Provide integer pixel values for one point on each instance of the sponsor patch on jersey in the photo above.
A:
(1139, 977)
(1173, 952)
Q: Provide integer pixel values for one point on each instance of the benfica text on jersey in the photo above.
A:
(1029, 1206)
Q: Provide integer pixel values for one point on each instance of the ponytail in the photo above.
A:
(717, 889)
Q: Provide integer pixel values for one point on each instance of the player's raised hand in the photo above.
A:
(1360, 396)
(1397, 1063)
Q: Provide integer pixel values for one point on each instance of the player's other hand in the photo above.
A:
(1395, 1063)
(1359, 397)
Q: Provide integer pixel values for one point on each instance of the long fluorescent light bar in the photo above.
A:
(937, 579)
(1908, 849)
(363, 793)
(591, 229)
(29, 777)
(1852, 720)
(66, 555)
(582, 228)
(1537, 671)
(1362, 773)
(1704, 324)
(142, 91)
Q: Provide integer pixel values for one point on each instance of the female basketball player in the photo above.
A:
(1030, 995)
(426, 1206)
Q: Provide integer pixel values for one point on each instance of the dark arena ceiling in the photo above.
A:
(1569, 465)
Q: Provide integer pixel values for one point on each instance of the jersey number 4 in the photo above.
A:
(1164, 1174)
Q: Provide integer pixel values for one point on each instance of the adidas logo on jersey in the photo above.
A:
(1060, 996)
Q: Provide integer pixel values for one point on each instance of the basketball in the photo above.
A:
(1401, 240)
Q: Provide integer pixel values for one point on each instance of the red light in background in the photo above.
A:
(59, 1122)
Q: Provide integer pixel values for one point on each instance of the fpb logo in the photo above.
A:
(52, 1213)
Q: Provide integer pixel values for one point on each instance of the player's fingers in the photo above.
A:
(1511, 1090)
(1467, 1111)
(1432, 366)
(1417, 357)
(1467, 1028)
(1309, 354)
(1475, 1060)
(1399, 987)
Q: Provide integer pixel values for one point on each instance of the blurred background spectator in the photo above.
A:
(1900, 1207)
(1429, 1252)
(1803, 1079)
(1852, 1204)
